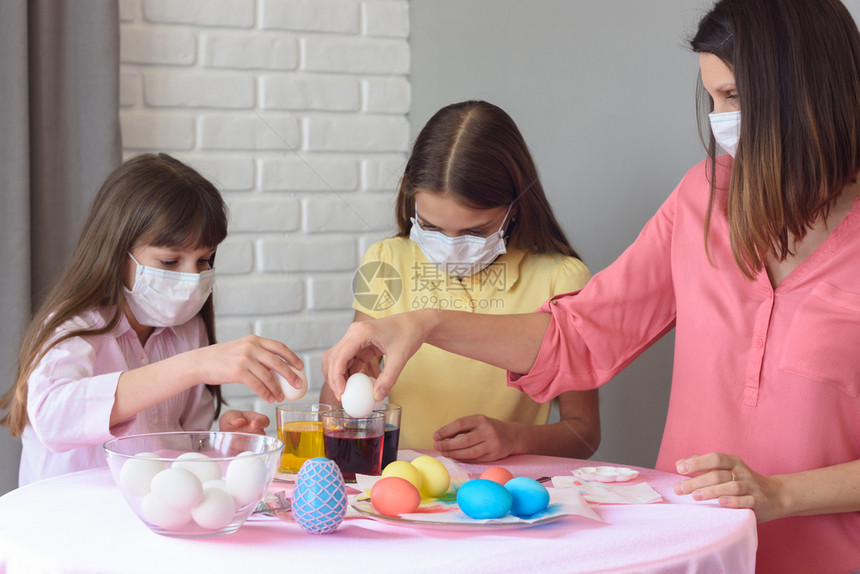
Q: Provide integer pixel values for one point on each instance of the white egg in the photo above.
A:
(246, 479)
(216, 509)
(290, 392)
(177, 488)
(200, 465)
(215, 484)
(357, 399)
(157, 513)
(136, 474)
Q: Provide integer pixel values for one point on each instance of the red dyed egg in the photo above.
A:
(497, 474)
(393, 495)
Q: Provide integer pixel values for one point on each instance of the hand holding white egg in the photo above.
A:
(290, 392)
(357, 399)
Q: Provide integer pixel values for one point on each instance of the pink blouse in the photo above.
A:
(772, 375)
(71, 394)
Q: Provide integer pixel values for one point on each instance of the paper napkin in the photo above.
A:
(609, 493)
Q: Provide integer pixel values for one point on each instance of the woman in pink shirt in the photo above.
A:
(753, 260)
(125, 342)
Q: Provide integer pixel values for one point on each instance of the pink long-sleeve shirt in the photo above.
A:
(771, 375)
(71, 394)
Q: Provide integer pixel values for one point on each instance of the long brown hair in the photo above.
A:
(474, 151)
(151, 199)
(797, 72)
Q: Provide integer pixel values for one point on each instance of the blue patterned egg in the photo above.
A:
(319, 497)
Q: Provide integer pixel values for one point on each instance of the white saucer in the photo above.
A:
(606, 473)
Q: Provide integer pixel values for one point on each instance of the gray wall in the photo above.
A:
(604, 92)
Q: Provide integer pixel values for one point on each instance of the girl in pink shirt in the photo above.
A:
(753, 260)
(125, 342)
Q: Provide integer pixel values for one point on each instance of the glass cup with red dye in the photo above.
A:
(393, 415)
(354, 444)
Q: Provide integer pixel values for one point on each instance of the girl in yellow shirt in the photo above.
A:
(476, 233)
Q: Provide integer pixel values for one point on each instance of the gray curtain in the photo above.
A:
(59, 139)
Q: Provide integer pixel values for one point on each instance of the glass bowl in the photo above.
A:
(192, 484)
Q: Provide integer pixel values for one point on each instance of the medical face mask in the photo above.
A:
(726, 128)
(162, 298)
(462, 256)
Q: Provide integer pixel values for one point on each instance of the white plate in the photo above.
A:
(366, 508)
(606, 473)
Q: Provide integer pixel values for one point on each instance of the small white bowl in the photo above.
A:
(166, 478)
(606, 473)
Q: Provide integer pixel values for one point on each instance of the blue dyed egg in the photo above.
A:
(319, 497)
(529, 496)
(482, 498)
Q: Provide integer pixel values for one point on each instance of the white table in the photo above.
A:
(79, 523)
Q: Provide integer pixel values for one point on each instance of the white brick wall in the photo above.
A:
(296, 110)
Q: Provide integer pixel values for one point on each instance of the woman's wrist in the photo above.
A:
(785, 502)
(430, 320)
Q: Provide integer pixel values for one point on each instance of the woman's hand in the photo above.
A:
(243, 421)
(477, 438)
(726, 478)
(398, 337)
(510, 342)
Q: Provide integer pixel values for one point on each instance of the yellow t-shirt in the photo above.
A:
(437, 387)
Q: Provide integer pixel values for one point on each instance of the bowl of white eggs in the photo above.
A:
(192, 484)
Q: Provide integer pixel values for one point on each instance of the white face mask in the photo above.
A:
(162, 298)
(462, 256)
(726, 128)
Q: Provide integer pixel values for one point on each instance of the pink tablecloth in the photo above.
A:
(80, 523)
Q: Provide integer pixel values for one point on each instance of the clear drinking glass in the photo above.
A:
(392, 414)
(300, 427)
(355, 444)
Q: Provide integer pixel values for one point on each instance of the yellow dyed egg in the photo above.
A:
(435, 479)
(404, 470)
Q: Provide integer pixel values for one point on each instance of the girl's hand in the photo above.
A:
(248, 361)
(728, 479)
(398, 337)
(476, 438)
(243, 421)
